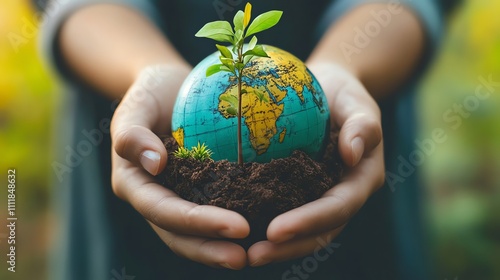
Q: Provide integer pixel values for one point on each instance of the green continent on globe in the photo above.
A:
(283, 109)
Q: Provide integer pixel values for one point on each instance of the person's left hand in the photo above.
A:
(305, 229)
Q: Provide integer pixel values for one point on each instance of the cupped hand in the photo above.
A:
(190, 230)
(302, 230)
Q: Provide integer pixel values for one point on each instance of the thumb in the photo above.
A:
(140, 146)
(359, 135)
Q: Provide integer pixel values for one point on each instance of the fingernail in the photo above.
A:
(358, 147)
(150, 160)
(259, 262)
(228, 266)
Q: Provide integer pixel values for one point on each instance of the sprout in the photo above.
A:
(200, 153)
(235, 60)
(182, 153)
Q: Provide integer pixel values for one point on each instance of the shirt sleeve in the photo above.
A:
(428, 12)
(57, 11)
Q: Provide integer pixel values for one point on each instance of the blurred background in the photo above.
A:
(28, 101)
(462, 178)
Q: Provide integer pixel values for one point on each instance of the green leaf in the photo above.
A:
(252, 43)
(213, 69)
(257, 51)
(225, 68)
(217, 30)
(239, 66)
(247, 59)
(228, 62)
(238, 21)
(232, 111)
(238, 38)
(224, 51)
(263, 22)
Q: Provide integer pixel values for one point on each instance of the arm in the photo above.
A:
(117, 50)
(108, 45)
(387, 60)
(379, 69)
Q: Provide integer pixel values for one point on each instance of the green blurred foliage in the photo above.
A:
(462, 176)
(28, 98)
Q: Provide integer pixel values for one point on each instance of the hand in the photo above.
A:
(353, 110)
(190, 230)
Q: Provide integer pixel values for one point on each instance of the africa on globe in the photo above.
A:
(283, 109)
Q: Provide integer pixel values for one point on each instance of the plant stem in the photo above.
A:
(240, 145)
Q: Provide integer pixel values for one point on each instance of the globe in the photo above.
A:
(283, 109)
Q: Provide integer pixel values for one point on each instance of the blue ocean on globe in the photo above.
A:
(283, 109)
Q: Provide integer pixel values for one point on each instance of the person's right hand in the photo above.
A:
(190, 230)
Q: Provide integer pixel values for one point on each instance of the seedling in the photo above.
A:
(236, 59)
(200, 152)
(182, 153)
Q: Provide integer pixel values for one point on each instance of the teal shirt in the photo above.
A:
(102, 237)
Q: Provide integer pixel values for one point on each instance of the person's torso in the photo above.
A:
(295, 32)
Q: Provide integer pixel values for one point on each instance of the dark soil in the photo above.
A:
(258, 191)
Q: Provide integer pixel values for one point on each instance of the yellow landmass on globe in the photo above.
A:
(282, 135)
(259, 116)
(179, 136)
(279, 73)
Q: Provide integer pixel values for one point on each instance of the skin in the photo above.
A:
(146, 60)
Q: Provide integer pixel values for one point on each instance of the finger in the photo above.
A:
(214, 253)
(146, 108)
(265, 252)
(359, 135)
(353, 110)
(335, 207)
(358, 116)
(141, 146)
(165, 209)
